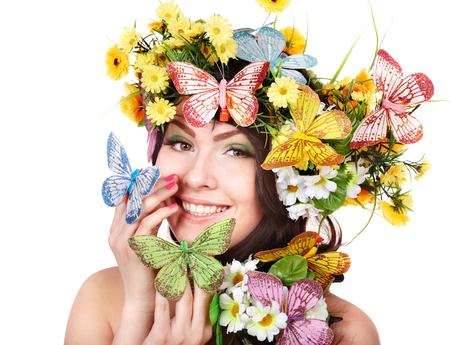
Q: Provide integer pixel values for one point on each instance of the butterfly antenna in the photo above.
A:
(221, 69)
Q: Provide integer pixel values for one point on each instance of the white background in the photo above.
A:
(54, 224)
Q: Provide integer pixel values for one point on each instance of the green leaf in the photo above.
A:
(336, 198)
(219, 339)
(311, 275)
(290, 269)
(214, 309)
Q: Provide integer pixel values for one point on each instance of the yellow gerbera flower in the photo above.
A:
(155, 78)
(283, 91)
(154, 25)
(392, 215)
(180, 26)
(117, 63)
(218, 30)
(407, 201)
(160, 111)
(168, 10)
(132, 106)
(197, 29)
(273, 6)
(227, 51)
(396, 175)
(128, 39)
(423, 167)
(144, 60)
(295, 41)
(160, 59)
(364, 78)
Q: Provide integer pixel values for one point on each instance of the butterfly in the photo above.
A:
(268, 47)
(324, 264)
(174, 261)
(135, 182)
(234, 97)
(302, 297)
(397, 93)
(332, 124)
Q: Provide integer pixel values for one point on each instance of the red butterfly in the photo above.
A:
(234, 96)
(398, 92)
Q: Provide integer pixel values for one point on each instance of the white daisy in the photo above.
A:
(235, 275)
(265, 322)
(355, 178)
(320, 186)
(303, 209)
(233, 310)
(320, 311)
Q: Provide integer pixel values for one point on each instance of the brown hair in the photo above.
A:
(275, 229)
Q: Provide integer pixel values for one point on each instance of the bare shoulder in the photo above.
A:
(356, 326)
(96, 310)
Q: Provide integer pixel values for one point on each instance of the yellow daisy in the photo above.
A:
(283, 91)
(218, 30)
(132, 106)
(423, 167)
(392, 215)
(295, 41)
(128, 39)
(180, 26)
(227, 51)
(396, 175)
(160, 59)
(160, 111)
(117, 63)
(273, 6)
(155, 78)
(144, 60)
(364, 78)
(168, 10)
(197, 29)
(154, 25)
(407, 201)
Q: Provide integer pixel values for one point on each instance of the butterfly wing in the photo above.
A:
(208, 273)
(190, 80)
(387, 73)
(290, 73)
(117, 157)
(146, 179)
(305, 109)
(372, 129)
(241, 104)
(414, 89)
(299, 61)
(322, 154)
(285, 155)
(265, 288)
(332, 124)
(248, 48)
(328, 263)
(114, 189)
(154, 252)
(272, 43)
(406, 128)
(134, 205)
(306, 332)
(302, 297)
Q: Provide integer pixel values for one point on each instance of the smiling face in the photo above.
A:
(216, 172)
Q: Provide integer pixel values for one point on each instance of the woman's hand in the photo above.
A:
(190, 325)
(138, 312)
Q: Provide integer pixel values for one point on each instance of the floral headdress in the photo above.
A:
(335, 143)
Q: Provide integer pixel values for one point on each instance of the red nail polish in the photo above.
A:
(170, 186)
(170, 177)
(173, 206)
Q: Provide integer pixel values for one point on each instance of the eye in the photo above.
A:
(182, 146)
(237, 152)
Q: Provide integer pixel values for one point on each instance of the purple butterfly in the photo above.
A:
(302, 297)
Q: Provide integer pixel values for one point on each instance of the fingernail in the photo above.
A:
(173, 206)
(170, 177)
(170, 186)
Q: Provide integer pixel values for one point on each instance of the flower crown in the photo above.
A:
(334, 144)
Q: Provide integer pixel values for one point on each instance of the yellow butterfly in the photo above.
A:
(324, 264)
(332, 124)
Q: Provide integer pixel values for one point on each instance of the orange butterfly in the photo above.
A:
(324, 264)
(332, 124)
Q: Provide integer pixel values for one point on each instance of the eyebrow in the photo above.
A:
(226, 135)
(183, 127)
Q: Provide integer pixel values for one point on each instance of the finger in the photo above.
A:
(183, 309)
(202, 300)
(162, 194)
(153, 221)
(162, 314)
(119, 212)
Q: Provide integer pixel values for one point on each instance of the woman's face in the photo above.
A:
(216, 173)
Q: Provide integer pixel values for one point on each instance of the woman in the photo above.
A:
(215, 167)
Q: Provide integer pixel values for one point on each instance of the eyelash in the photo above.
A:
(173, 142)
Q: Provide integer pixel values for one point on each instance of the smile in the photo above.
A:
(201, 210)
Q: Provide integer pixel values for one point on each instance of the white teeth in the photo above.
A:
(201, 210)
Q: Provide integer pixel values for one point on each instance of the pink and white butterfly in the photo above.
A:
(234, 96)
(302, 297)
(398, 92)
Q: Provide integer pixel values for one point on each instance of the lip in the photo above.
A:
(200, 219)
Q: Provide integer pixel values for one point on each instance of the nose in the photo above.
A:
(199, 173)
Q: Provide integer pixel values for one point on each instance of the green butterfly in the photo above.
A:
(174, 261)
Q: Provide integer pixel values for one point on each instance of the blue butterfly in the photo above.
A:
(135, 182)
(269, 47)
